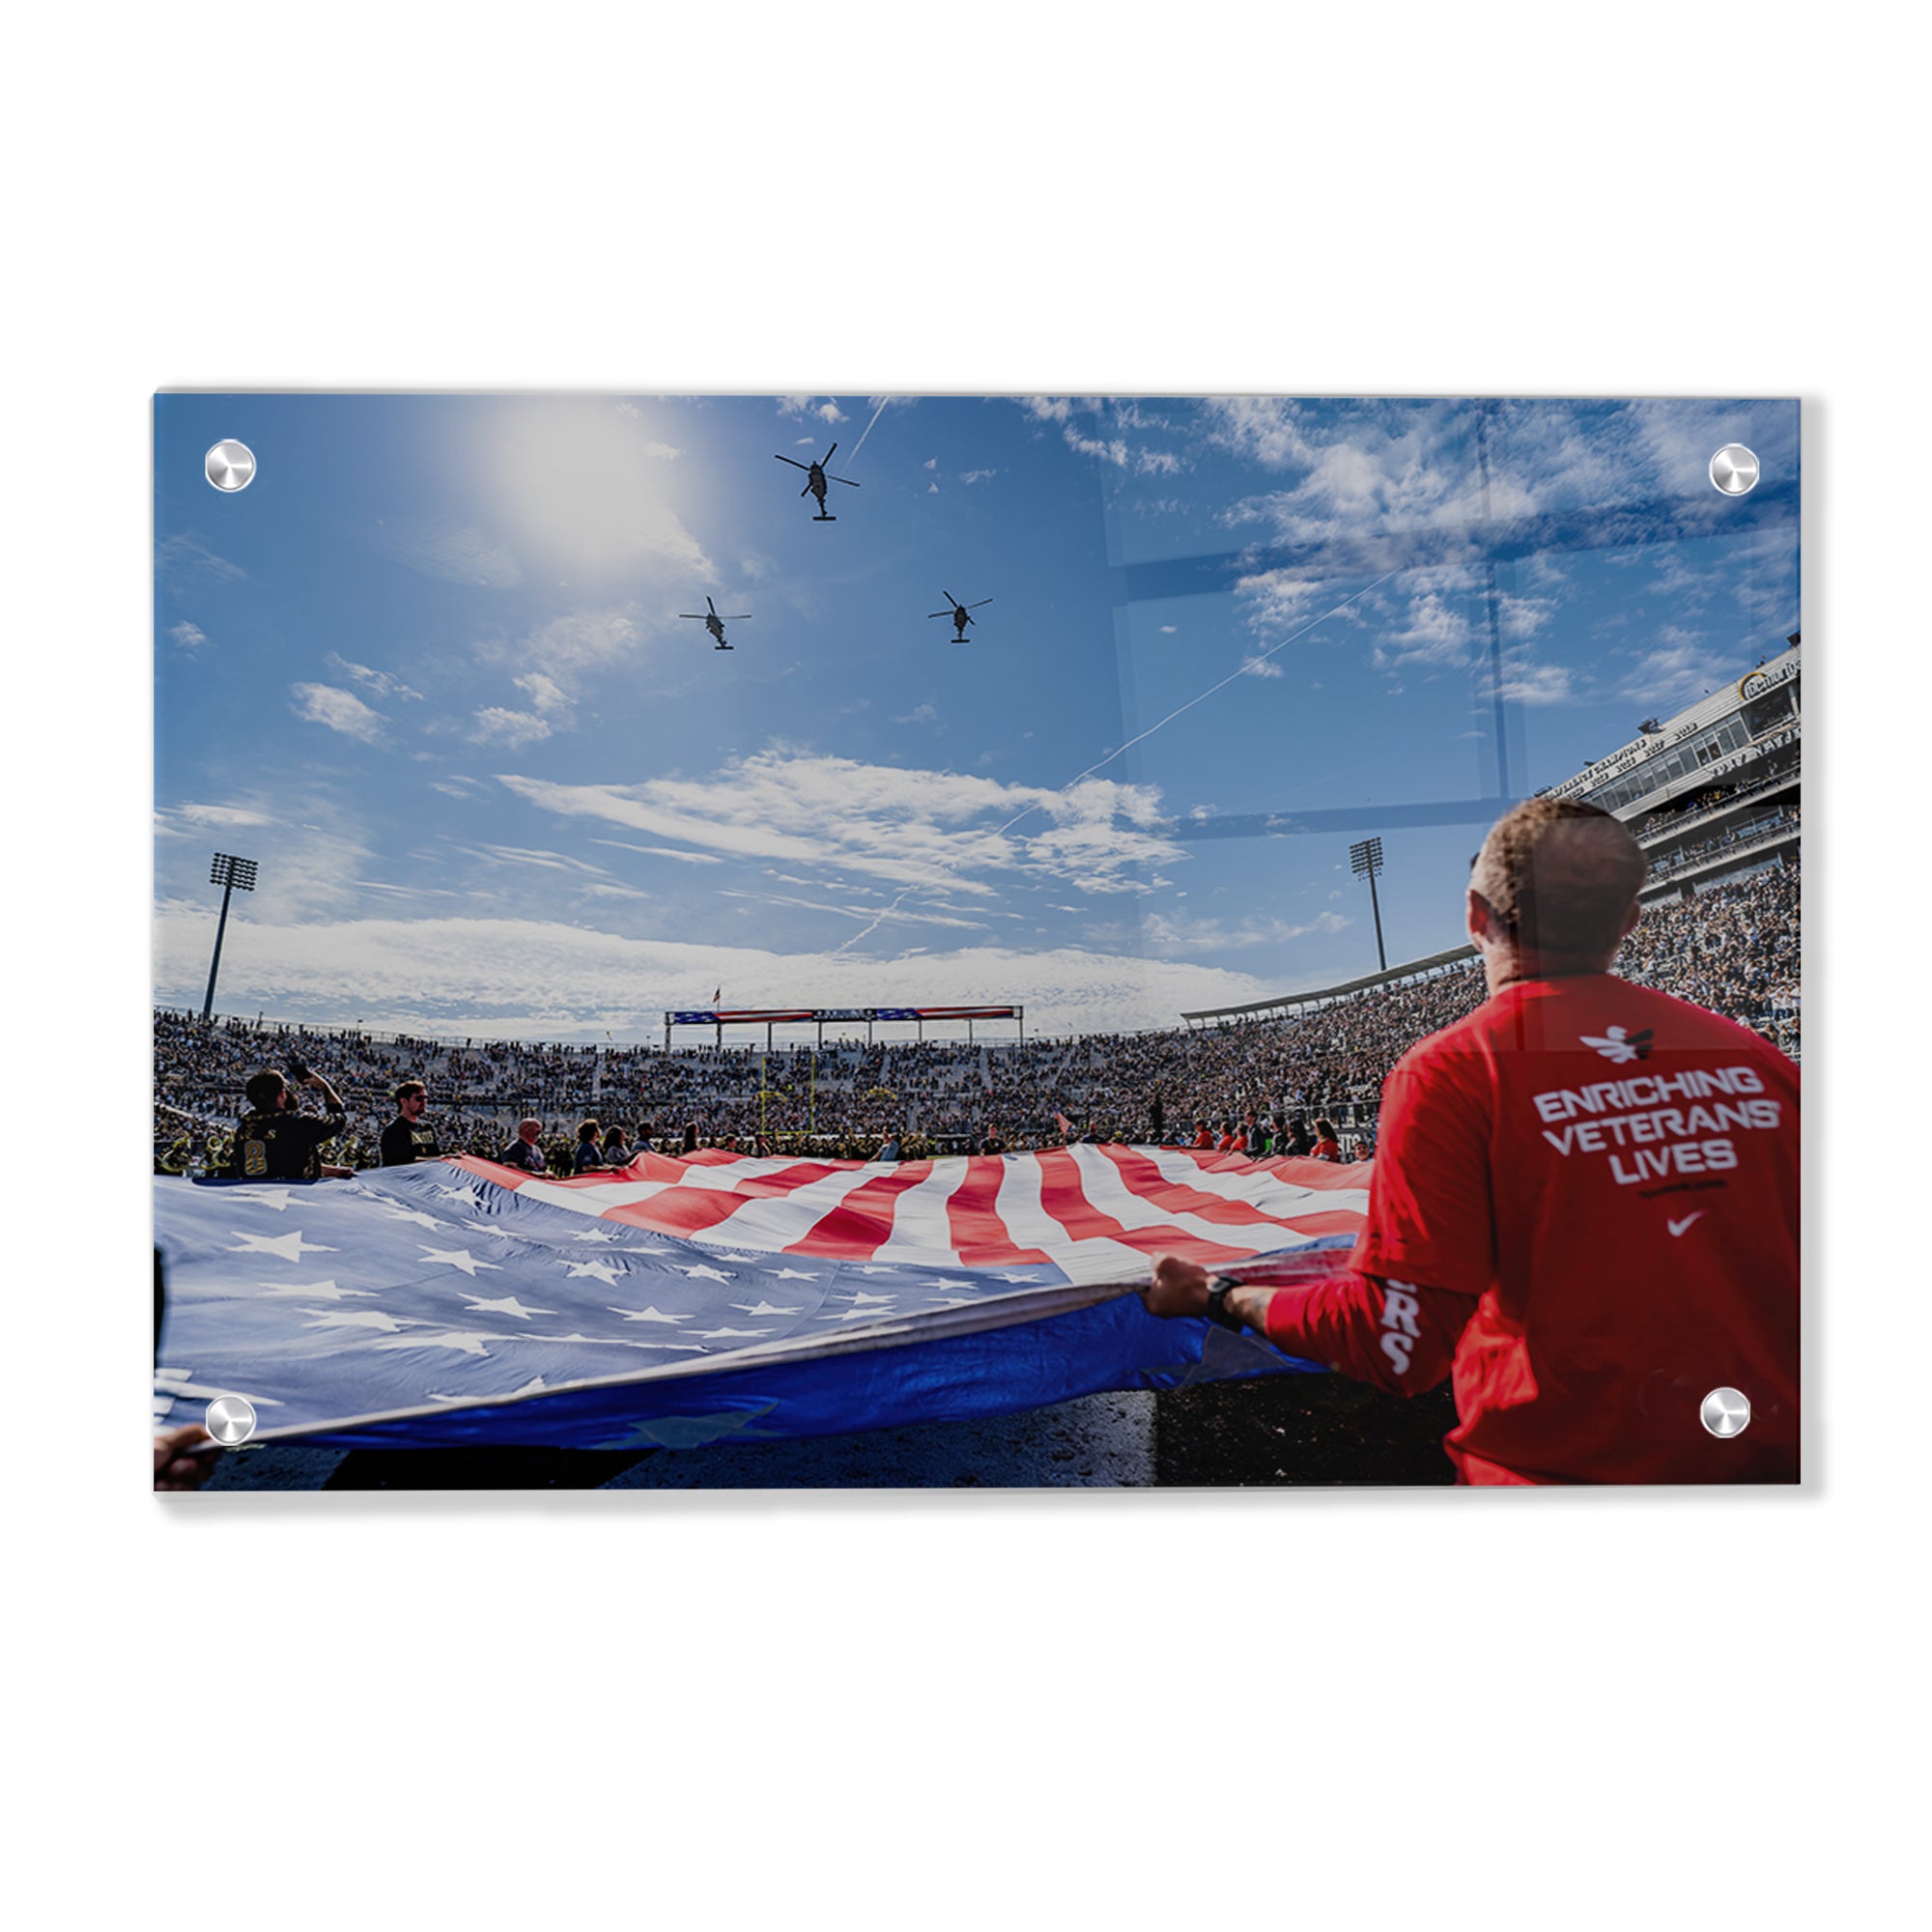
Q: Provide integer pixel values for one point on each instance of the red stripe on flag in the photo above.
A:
(1062, 1195)
(692, 1211)
(861, 1223)
(1144, 1180)
(1297, 1169)
(978, 1234)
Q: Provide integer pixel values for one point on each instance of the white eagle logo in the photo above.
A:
(1619, 1044)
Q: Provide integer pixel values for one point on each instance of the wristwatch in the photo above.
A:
(1218, 1311)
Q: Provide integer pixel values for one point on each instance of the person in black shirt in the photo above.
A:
(405, 1139)
(524, 1151)
(587, 1156)
(277, 1142)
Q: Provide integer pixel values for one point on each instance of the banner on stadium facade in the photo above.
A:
(812, 1016)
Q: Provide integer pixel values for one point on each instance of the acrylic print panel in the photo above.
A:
(919, 832)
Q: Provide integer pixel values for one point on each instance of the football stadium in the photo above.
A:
(1038, 781)
(1712, 794)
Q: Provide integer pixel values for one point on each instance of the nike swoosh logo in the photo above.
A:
(1678, 1227)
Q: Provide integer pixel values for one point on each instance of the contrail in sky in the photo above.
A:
(1140, 738)
(867, 430)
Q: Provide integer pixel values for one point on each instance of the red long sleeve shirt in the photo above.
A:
(1594, 1188)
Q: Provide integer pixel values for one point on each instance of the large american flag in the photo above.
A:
(680, 1301)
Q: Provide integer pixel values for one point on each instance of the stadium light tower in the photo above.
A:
(227, 872)
(1367, 860)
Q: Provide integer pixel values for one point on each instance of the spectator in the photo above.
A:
(405, 1139)
(1586, 1207)
(1327, 1145)
(275, 1140)
(588, 1155)
(524, 1151)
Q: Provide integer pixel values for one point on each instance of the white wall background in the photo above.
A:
(946, 1711)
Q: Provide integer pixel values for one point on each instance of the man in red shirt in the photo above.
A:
(1583, 1206)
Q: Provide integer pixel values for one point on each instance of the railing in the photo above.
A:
(1672, 828)
(1720, 851)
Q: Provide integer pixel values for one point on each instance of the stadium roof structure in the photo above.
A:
(1729, 738)
(1436, 962)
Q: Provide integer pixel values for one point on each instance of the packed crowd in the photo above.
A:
(1748, 830)
(1733, 949)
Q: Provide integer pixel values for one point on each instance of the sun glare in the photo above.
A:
(588, 487)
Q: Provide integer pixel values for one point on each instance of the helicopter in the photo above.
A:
(959, 614)
(816, 479)
(715, 624)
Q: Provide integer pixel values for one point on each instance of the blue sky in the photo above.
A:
(429, 671)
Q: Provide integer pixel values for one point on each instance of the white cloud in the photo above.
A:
(188, 820)
(890, 916)
(662, 852)
(187, 562)
(544, 692)
(457, 553)
(381, 682)
(977, 475)
(1262, 667)
(564, 651)
(922, 829)
(1185, 935)
(827, 412)
(539, 980)
(340, 710)
(919, 714)
(188, 637)
(1113, 450)
(496, 725)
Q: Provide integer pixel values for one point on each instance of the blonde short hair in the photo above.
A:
(1561, 876)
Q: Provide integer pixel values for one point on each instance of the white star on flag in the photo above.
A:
(277, 1197)
(457, 1258)
(448, 1338)
(355, 1317)
(285, 1247)
(599, 1270)
(726, 1334)
(648, 1315)
(764, 1308)
(703, 1273)
(508, 1305)
(401, 1213)
(317, 1291)
(792, 1274)
(604, 1234)
(860, 1294)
